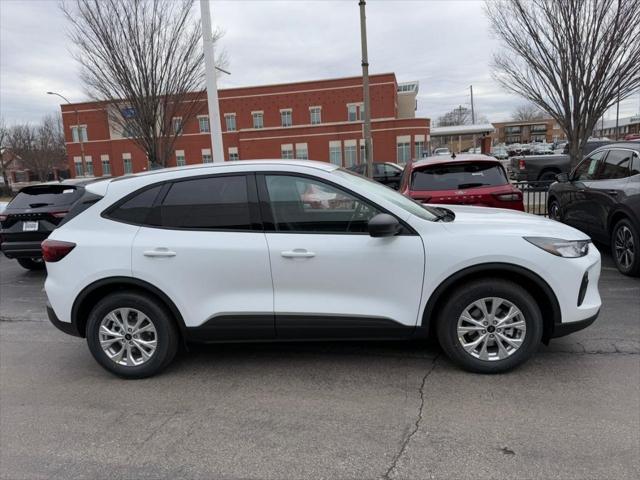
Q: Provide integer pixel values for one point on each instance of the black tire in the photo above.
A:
(167, 333)
(628, 264)
(35, 263)
(555, 212)
(464, 296)
(548, 176)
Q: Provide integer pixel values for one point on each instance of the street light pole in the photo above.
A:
(368, 150)
(212, 88)
(80, 139)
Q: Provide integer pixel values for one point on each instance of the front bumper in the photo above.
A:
(68, 328)
(22, 249)
(562, 329)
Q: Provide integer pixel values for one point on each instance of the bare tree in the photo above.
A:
(572, 58)
(6, 157)
(144, 60)
(527, 112)
(458, 116)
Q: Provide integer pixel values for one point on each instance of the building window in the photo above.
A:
(206, 156)
(285, 118)
(83, 132)
(286, 151)
(180, 160)
(335, 152)
(403, 145)
(128, 130)
(419, 148)
(89, 165)
(316, 115)
(233, 154)
(77, 161)
(126, 160)
(106, 165)
(258, 119)
(203, 122)
(352, 112)
(302, 152)
(176, 125)
(350, 153)
(230, 119)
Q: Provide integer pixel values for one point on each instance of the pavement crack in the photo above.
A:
(416, 425)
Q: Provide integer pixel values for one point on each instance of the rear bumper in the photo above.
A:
(22, 249)
(562, 329)
(68, 328)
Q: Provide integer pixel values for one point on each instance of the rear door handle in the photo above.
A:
(613, 193)
(297, 253)
(159, 252)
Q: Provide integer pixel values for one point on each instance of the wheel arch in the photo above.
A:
(93, 292)
(539, 289)
(616, 216)
(544, 170)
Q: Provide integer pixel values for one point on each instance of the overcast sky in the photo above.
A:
(444, 44)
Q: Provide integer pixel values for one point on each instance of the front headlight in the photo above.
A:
(561, 247)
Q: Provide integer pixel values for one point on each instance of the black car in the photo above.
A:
(31, 216)
(601, 197)
(387, 173)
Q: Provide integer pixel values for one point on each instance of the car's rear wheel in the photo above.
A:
(490, 326)
(555, 213)
(625, 248)
(548, 176)
(35, 263)
(131, 335)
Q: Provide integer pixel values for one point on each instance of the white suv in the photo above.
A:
(292, 250)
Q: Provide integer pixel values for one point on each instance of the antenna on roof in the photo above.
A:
(453, 155)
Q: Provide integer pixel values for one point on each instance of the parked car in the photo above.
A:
(387, 173)
(544, 168)
(601, 197)
(32, 215)
(463, 180)
(441, 151)
(234, 251)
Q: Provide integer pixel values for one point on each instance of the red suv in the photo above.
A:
(461, 180)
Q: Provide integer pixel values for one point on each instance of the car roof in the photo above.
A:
(463, 157)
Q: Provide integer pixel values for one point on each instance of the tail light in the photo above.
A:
(59, 214)
(508, 197)
(521, 164)
(56, 250)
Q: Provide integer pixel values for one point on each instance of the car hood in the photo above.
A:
(508, 222)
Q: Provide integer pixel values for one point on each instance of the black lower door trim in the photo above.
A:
(304, 327)
(232, 328)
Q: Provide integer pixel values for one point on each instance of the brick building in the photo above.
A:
(546, 130)
(318, 120)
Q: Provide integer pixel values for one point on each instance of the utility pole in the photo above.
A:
(212, 88)
(618, 110)
(78, 129)
(473, 112)
(368, 150)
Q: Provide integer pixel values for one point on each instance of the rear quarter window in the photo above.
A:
(136, 208)
(458, 176)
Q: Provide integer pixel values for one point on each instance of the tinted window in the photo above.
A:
(207, 203)
(136, 209)
(616, 165)
(301, 204)
(46, 196)
(458, 176)
(588, 168)
(635, 165)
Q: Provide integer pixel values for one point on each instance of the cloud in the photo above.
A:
(446, 45)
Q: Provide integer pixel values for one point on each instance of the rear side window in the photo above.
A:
(207, 203)
(458, 176)
(39, 196)
(137, 208)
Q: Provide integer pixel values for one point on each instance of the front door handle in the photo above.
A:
(297, 253)
(613, 193)
(159, 252)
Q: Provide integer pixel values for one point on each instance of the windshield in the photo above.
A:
(458, 176)
(45, 195)
(399, 200)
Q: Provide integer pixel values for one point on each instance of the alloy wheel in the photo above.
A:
(128, 337)
(624, 247)
(491, 329)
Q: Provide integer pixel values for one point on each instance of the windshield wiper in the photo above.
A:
(38, 205)
(462, 186)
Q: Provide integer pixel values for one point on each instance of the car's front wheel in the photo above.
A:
(131, 335)
(490, 326)
(625, 245)
(554, 210)
(35, 263)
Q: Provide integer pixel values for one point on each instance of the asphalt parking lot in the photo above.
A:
(319, 410)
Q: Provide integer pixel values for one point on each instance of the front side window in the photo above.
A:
(285, 118)
(230, 121)
(458, 176)
(300, 204)
(203, 123)
(206, 203)
(588, 168)
(258, 120)
(616, 165)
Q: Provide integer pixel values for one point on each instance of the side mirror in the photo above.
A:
(562, 177)
(383, 225)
